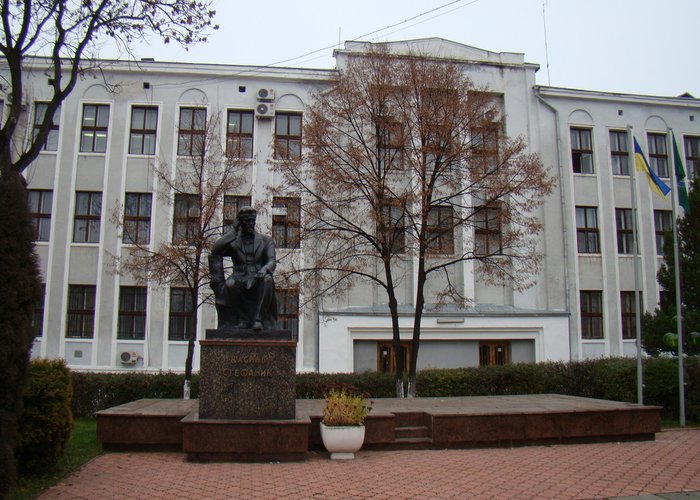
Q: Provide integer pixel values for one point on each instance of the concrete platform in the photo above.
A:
(420, 423)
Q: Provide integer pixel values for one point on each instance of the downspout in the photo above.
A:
(564, 212)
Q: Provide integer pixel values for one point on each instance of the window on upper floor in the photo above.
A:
(137, 219)
(186, 219)
(587, 230)
(487, 230)
(93, 132)
(286, 221)
(40, 109)
(38, 316)
(663, 226)
(132, 313)
(288, 129)
(440, 230)
(181, 317)
(391, 227)
(619, 152)
(658, 155)
(625, 237)
(233, 205)
(288, 308)
(142, 134)
(591, 314)
(40, 202)
(239, 134)
(582, 151)
(692, 156)
(191, 131)
(88, 211)
(81, 311)
(628, 313)
(389, 144)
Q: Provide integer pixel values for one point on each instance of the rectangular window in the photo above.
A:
(692, 156)
(137, 219)
(440, 230)
(582, 151)
(658, 156)
(287, 136)
(181, 325)
(239, 134)
(142, 135)
(38, 316)
(663, 224)
(391, 226)
(93, 134)
(186, 219)
(386, 363)
(190, 133)
(494, 353)
(88, 209)
(487, 230)
(619, 152)
(587, 230)
(233, 205)
(628, 313)
(625, 237)
(286, 221)
(40, 202)
(40, 109)
(132, 312)
(591, 314)
(389, 144)
(288, 308)
(81, 311)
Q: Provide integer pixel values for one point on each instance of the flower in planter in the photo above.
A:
(345, 409)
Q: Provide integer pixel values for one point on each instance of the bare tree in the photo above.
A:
(403, 156)
(63, 34)
(194, 188)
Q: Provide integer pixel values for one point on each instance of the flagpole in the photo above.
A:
(670, 146)
(635, 255)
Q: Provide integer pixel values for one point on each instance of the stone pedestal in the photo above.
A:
(247, 375)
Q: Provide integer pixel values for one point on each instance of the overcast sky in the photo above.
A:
(629, 46)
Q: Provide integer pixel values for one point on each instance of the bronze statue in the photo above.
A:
(246, 299)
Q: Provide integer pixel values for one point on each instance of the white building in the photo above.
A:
(106, 144)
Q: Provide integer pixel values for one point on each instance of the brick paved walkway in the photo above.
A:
(669, 464)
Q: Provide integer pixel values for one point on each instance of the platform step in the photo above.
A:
(410, 419)
(417, 431)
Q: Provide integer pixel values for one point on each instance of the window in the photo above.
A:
(440, 230)
(132, 313)
(287, 136)
(233, 205)
(625, 237)
(385, 356)
(181, 325)
(190, 133)
(587, 230)
(81, 311)
(487, 230)
(391, 227)
(186, 218)
(88, 208)
(137, 219)
(38, 316)
(591, 314)
(582, 151)
(142, 138)
(628, 313)
(493, 353)
(663, 224)
(658, 157)
(40, 109)
(288, 308)
(40, 202)
(692, 156)
(389, 144)
(239, 134)
(93, 134)
(619, 154)
(286, 221)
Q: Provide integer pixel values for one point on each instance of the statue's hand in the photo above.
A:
(260, 274)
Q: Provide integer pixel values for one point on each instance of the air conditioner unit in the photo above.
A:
(266, 95)
(265, 110)
(129, 358)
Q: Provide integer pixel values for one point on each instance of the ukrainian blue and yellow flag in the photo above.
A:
(656, 184)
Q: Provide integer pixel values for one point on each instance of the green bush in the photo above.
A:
(46, 422)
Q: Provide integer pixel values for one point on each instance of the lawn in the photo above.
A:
(82, 448)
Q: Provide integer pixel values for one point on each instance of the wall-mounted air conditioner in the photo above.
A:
(265, 110)
(129, 358)
(266, 95)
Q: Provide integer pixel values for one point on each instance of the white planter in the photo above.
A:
(343, 441)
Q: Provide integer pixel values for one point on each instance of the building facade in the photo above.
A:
(113, 133)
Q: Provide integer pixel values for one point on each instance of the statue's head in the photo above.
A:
(246, 219)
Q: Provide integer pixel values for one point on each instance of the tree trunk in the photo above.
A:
(396, 333)
(190, 352)
(417, 317)
(19, 291)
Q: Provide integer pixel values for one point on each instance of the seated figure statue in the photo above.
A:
(246, 299)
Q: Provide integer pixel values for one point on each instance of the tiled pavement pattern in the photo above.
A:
(669, 464)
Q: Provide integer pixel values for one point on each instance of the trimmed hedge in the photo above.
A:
(46, 422)
(608, 378)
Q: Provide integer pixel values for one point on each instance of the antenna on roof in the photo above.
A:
(546, 48)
